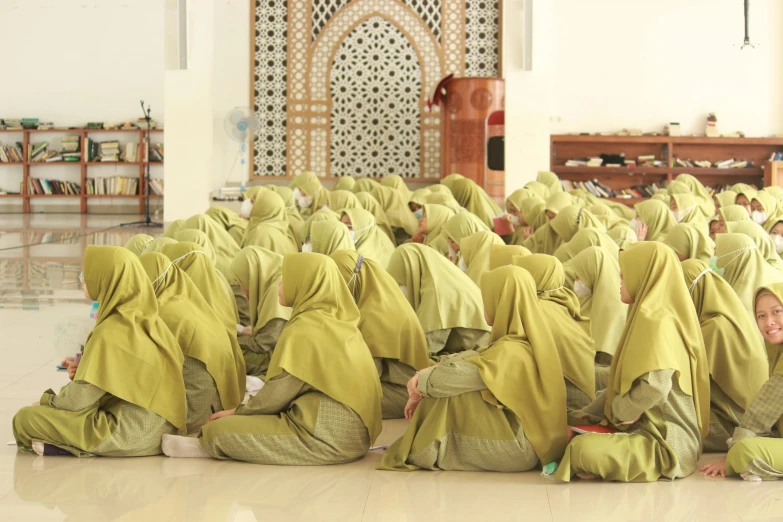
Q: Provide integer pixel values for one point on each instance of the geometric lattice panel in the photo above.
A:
(322, 11)
(375, 86)
(482, 18)
(430, 12)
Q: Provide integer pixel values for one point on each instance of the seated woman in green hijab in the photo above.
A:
(137, 243)
(756, 449)
(268, 227)
(157, 244)
(500, 408)
(295, 220)
(571, 220)
(729, 213)
(327, 237)
(690, 242)
(371, 205)
(459, 227)
(473, 198)
(230, 221)
(368, 239)
(654, 220)
(214, 371)
(309, 194)
(446, 301)
(434, 217)
(399, 346)
(395, 206)
(128, 388)
(503, 255)
(685, 209)
(475, 251)
(259, 273)
(545, 240)
(342, 199)
(659, 388)
(735, 353)
(304, 415)
(570, 329)
(586, 238)
(763, 241)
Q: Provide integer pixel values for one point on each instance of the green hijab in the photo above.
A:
(761, 238)
(725, 198)
(173, 227)
(691, 242)
(260, 271)
(229, 220)
(623, 236)
(731, 213)
(396, 208)
(662, 332)
(437, 217)
(222, 242)
(342, 199)
(442, 295)
(130, 353)
(321, 344)
(295, 220)
(690, 211)
(364, 185)
(475, 200)
(599, 270)
(319, 215)
(533, 211)
(446, 200)
(518, 196)
(658, 218)
(503, 255)
(551, 180)
(191, 258)
(559, 201)
(419, 197)
(768, 202)
(196, 328)
(201, 239)
(706, 204)
(440, 188)
(397, 183)
(539, 188)
(572, 219)
(268, 227)
(735, 353)
(157, 244)
(345, 183)
(449, 180)
(371, 205)
(310, 185)
(606, 216)
(476, 249)
(520, 367)
(138, 243)
(463, 225)
(571, 330)
(744, 267)
(379, 298)
(330, 236)
(369, 241)
(585, 238)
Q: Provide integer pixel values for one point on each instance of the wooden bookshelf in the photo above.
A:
(667, 149)
(27, 166)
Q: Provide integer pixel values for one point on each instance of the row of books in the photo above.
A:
(114, 185)
(111, 151)
(52, 186)
(156, 152)
(11, 153)
(35, 123)
(39, 152)
(730, 163)
(717, 189)
(615, 160)
(776, 156)
(594, 187)
(19, 124)
(156, 186)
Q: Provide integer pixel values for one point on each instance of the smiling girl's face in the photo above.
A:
(769, 317)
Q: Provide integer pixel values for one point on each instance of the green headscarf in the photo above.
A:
(690, 211)
(321, 344)
(725, 198)
(342, 199)
(191, 258)
(662, 333)
(419, 196)
(606, 216)
(600, 271)
(475, 200)
(442, 295)
(437, 217)
(583, 239)
(379, 298)
(475, 251)
(571, 330)
(369, 241)
(691, 242)
(157, 244)
(397, 183)
(731, 213)
(744, 267)
(251, 192)
(370, 204)
(767, 201)
(551, 180)
(503, 255)
(364, 185)
(623, 237)
(440, 188)
(320, 215)
(559, 201)
(396, 208)
(260, 272)
(539, 188)
(449, 180)
(446, 200)
(197, 329)
(222, 242)
(735, 353)
(658, 218)
(571, 220)
(201, 239)
(761, 238)
(520, 367)
(268, 227)
(130, 353)
(229, 220)
(330, 236)
(173, 227)
(678, 187)
(138, 243)
(295, 220)
(744, 190)
(310, 185)
(345, 183)
(706, 204)
(463, 225)
(533, 211)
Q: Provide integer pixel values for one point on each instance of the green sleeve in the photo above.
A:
(276, 395)
(436, 340)
(763, 413)
(74, 396)
(265, 339)
(450, 379)
(457, 356)
(649, 390)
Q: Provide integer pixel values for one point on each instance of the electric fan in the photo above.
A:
(239, 123)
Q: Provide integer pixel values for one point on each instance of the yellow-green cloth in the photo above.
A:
(268, 227)
(196, 327)
(260, 271)
(735, 353)
(551, 180)
(419, 197)
(559, 201)
(436, 218)
(397, 183)
(229, 220)
(310, 185)
(623, 236)
(368, 239)
(379, 298)
(744, 267)
(130, 353)
(767, 201)
(342, 199)
(442, 295)
(322, 344)
(439, 187)
(690, 242)
(502, 255)
(724, 199)
(731, 213)
(396, 208)
(295, 220)
(706, 203)
(345, 183)
(191, 258)
(570, 329)
(762, 239)
(599, 270)
(222, 242)
(690, 212)
(138, 243)
(587, 237)
(463, 225)
(658, 218)
(572, 219)
(475, 200)
(330, 236)
(317, 216)
(364, 185)
(370, 204)
(539, 188)
(445, 199)
(475, 250)
(173, 227)
(449, 180)
(157, 244)
(223, 264)
(607, 216)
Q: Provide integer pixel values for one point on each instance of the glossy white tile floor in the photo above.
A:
(40, 322)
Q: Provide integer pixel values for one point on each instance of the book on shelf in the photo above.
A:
(776, 156)
(36, 150)
(129, 153)
(156, 186)
(113, 186)
(156, 153)
(11, 153)
(11, 124)
(43, 186)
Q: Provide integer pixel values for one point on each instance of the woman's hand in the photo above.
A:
(641, 231)
(528, 231)
(418, 238)
(410, 408)
(413, 388)
(220, 415)
(715, 470)
(246, 330)
(72, 370)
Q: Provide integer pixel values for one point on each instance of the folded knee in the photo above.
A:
(741, 454)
